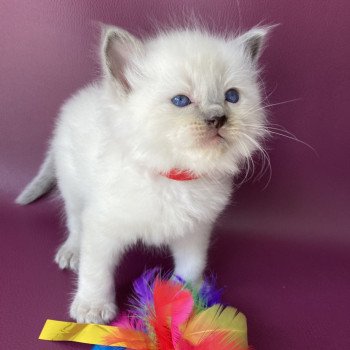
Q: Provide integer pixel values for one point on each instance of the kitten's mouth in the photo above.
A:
(214, 138)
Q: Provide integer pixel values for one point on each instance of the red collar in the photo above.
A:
(180, 175)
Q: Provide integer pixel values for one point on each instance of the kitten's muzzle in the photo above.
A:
(216, 122)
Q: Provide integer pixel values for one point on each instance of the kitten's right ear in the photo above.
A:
(118, 49)
(254, 40)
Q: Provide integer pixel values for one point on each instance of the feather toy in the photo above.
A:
(177, 316)
(166, 313)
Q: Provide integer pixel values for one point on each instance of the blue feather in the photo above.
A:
(143, 287)
(142, 299)
(208, 293)
(104, 347)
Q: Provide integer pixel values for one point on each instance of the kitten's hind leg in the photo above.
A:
(67, 256)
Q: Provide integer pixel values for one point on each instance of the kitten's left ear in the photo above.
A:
(254, 40)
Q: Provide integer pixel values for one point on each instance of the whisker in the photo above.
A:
(282, 103)
(253, 109)
(265, 158)
(297, 140)
(266, 97)
(248, 160)
(283, 133)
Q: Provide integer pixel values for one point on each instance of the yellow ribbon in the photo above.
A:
(78, 332)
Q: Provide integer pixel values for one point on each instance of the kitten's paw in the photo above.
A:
(90, 312)
(67, 257)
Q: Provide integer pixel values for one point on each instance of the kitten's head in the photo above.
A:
(186, 99)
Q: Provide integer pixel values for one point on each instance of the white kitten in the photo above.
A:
(185, 101)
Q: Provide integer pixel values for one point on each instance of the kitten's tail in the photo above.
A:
(42, 182)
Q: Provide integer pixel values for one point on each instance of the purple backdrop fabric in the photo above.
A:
(281, 251)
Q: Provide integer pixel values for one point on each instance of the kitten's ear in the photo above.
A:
(118, 48)
(254, 41)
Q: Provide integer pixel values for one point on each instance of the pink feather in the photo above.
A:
(172, 307)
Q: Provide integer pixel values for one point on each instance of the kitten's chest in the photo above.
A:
(164, 208)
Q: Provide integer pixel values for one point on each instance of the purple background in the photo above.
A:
(282, 252)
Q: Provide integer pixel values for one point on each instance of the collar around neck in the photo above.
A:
(180, 175)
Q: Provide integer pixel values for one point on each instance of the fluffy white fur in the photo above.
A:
(114, 139)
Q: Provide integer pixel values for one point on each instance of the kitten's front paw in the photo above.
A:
(92, 312)
(67, 257)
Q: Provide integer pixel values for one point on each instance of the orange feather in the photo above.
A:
(129, 338)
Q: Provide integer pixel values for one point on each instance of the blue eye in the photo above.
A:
(232, 96)
(181, 101)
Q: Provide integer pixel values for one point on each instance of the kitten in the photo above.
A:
(148, 153)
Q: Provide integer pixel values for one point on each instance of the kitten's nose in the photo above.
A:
(216, 122)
